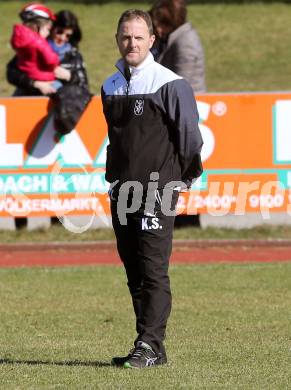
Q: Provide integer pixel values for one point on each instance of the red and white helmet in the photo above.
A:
(33, 11)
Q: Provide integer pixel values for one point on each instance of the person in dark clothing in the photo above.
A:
(72, 98)
(64, 39)
(154, 152)
(34, 55)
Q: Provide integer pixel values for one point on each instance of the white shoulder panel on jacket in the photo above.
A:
(145, 79)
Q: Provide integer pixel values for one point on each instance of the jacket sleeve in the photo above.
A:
(182, 112)
(18, 78)
(73, 61)
(49, 57)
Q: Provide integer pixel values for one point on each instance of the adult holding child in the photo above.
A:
(34, 56)
(64, 38)
(72, 95)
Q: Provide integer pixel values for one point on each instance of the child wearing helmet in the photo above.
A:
(34, 55)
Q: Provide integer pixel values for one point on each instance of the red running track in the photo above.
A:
(184, 252)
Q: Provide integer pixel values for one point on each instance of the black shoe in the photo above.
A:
(119, 361)
(144, 356)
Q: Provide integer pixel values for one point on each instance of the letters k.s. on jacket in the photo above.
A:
(152, 125)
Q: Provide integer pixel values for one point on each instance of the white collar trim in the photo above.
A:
(134, 70)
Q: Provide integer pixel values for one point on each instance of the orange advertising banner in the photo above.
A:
(246, 158)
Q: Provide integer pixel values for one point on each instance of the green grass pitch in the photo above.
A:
(229, 328)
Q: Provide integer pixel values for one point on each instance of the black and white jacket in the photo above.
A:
(152, 125)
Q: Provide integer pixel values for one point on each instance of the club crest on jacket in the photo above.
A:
(138, 107)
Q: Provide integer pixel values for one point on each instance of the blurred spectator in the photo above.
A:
(34, 56)
(178, 45)
(64, 39)
(72, 98)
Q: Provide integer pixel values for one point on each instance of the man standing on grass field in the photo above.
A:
(154, 153)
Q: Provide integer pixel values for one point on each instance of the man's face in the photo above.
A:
(134, 41)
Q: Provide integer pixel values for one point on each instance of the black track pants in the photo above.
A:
(145, 246)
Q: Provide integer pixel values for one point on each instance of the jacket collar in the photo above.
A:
(134, 70)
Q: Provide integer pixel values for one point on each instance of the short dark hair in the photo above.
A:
(131, 14)
(66, 19)
(171, 13)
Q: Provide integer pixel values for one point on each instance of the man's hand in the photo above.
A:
(62, 73)
(45, 87)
